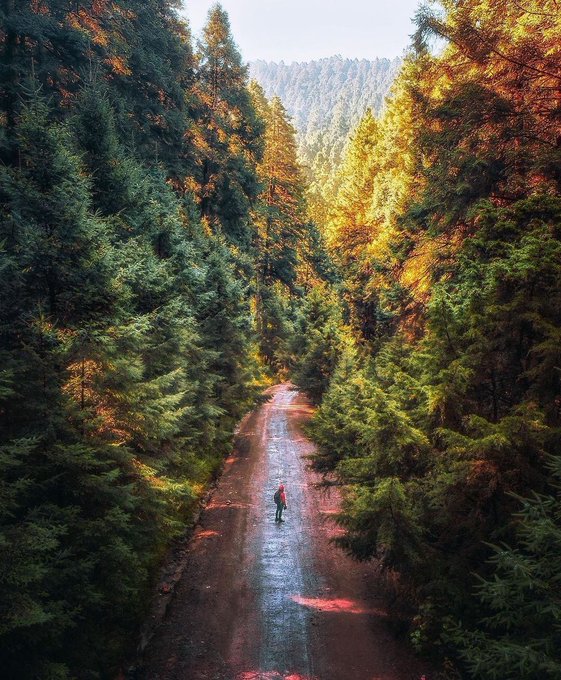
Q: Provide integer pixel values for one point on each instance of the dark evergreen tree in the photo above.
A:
(226, 325)
(70, 523)
(229, 135)
(520, 635)
(317, 341)
(151, 70)
(125, 327)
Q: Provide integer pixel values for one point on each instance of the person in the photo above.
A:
(280, 500)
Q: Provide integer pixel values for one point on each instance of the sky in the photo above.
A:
(302, 30)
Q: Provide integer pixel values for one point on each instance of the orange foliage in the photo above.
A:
(118, 65)
(417, 271)
(95, 21)
(83, 388)
(85, 21)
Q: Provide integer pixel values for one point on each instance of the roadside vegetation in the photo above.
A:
(439, 394)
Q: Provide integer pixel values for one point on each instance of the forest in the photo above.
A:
(154, 242)
(164, 259)
(326, 100)
(439, 388)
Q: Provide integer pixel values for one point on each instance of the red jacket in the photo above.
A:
(282, 495)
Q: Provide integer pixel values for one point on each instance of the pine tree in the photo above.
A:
(349, 229)
(226, 327)
(228, 134)
(281, 225)
(69, 524)
(454, 302)
(317, 341)
(152, 76)
(125, 326)
(289, 252)
(520, 635)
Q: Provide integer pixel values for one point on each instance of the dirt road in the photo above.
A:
(261, 600)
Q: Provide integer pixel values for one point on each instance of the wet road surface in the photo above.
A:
(261, 600)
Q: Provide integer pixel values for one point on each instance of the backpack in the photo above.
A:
(276, 497)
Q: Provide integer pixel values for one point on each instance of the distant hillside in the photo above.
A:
(316, 92)
(326, 100)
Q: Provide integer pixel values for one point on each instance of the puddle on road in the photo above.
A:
(205, 534)
(338, 605)
(226, 506)
(272, 675)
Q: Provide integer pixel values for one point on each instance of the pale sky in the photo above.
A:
(301, 30)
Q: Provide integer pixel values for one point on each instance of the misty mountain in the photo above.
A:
(326, 99)
(316, 93)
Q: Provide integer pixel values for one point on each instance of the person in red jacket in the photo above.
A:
(280, 500)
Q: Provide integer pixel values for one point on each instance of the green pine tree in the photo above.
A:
(229, 135)
(519, 635)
